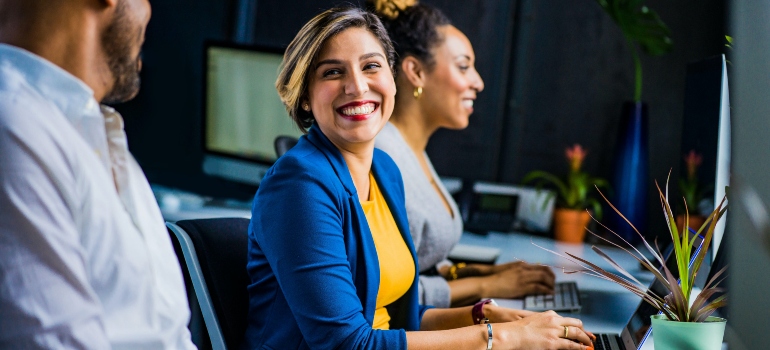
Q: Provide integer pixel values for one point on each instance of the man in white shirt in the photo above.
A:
(85, 259)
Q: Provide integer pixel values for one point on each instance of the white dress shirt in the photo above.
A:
(85, 259)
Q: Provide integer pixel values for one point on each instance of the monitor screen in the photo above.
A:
(243, 113)
(706, 136)
(497, 203)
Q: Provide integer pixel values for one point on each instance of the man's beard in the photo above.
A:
(117, 43)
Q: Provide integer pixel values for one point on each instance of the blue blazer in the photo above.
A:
(312, 261)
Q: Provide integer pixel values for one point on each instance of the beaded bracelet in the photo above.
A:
(453, 270)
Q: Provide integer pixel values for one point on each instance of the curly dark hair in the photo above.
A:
(414, 30)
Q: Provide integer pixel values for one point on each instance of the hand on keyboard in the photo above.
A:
(547, 330)
(564, 298)
(517, 279)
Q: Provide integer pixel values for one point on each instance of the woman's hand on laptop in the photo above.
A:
(545, 330)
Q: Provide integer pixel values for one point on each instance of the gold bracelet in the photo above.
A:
(453, 270)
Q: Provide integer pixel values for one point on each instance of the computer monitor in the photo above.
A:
(706, 130)
(242, 111)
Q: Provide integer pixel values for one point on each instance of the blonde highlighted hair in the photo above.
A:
(301, 54)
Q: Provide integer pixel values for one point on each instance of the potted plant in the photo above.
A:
(643, 30)
(683, 323)
(692, 191)
(572, 199)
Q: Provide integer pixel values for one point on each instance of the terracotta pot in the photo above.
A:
(695, 222)
(569, 225)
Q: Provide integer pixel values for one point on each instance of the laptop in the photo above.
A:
(639, 327)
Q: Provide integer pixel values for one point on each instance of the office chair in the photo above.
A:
(283, 144)
(214, 254)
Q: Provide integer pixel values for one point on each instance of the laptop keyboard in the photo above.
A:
(602, 342)
(564, 298)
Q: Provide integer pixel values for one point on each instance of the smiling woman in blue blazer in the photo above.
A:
(331, 260)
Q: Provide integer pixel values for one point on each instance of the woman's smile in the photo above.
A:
(358, 110)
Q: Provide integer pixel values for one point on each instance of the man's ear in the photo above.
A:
(413, 70)
(102, 5)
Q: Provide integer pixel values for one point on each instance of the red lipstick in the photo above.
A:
(357, 110)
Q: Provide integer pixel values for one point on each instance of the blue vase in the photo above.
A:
(630, 176)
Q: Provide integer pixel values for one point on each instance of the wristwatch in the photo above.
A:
(477, 312)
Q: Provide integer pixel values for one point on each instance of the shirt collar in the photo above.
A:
(70, 94)
(332, 153)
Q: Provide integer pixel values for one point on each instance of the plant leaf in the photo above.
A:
(643, 260)
(700, 300)
(623, 217)
(615, 265)
(707, 240)
(714, 278)
(546, 177)
(707, 310)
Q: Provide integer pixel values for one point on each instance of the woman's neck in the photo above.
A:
(413, 125)
(359, 163)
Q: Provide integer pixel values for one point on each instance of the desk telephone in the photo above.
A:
(487, 206)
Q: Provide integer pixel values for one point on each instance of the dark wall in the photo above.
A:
(475, 152)
(556, 73)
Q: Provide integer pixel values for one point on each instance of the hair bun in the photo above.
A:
(390, 9)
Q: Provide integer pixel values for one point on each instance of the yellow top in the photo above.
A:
(396, 262)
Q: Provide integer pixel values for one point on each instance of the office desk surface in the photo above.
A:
(606, 306)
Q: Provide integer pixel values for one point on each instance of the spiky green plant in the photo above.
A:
(676, 305)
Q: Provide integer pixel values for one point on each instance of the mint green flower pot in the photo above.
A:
(670, 335)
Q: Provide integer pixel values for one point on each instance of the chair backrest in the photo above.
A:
(283, 144)
(215, 255)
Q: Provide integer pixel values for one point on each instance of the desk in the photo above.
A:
(204, 212)
(176, 205)
(606, 306)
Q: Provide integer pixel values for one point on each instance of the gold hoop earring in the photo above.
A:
(418, 92)
(306, 107)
